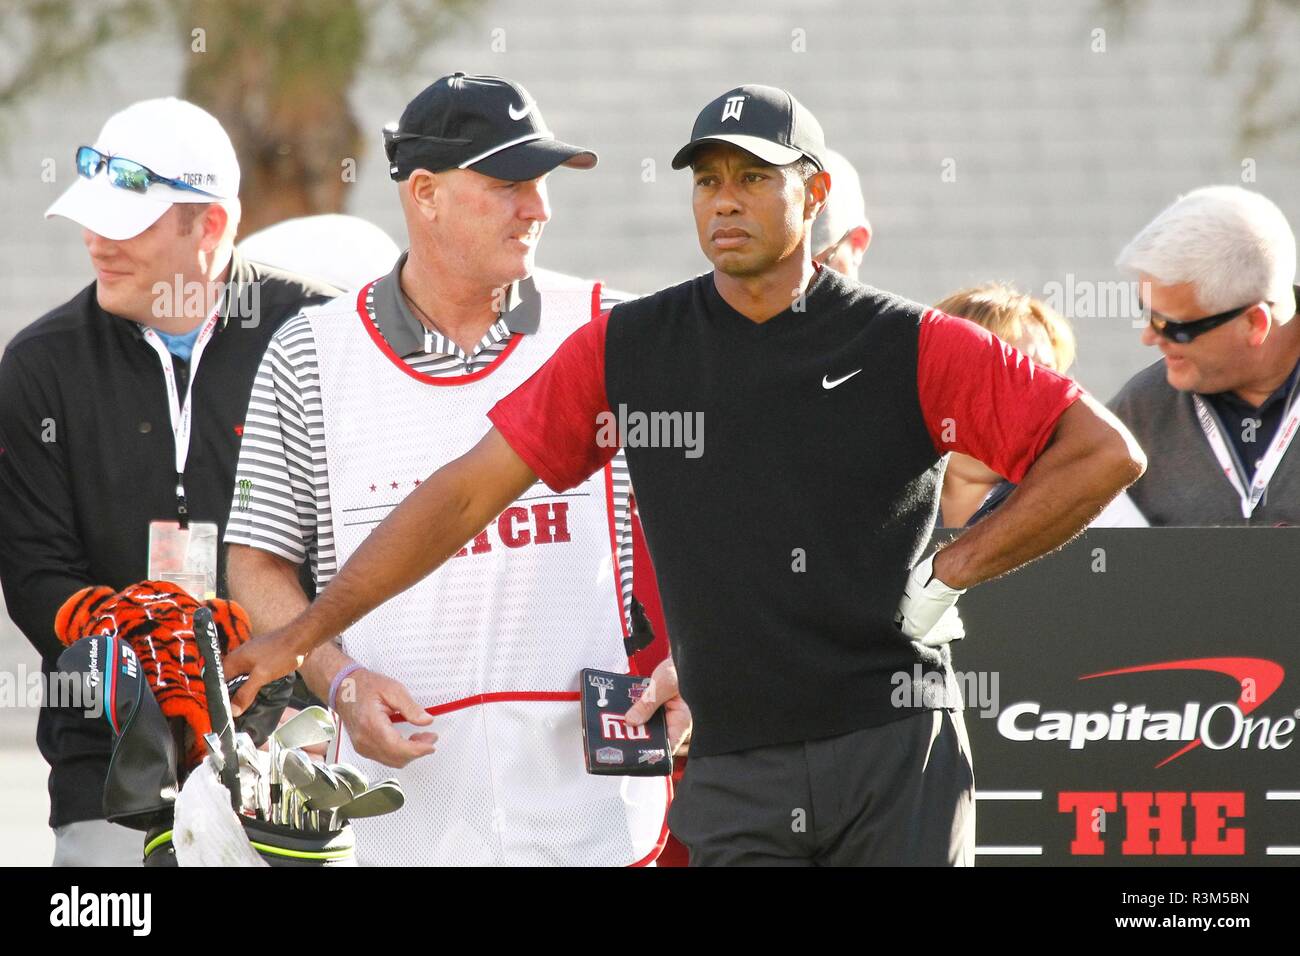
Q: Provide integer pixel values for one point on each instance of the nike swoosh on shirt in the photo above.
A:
(828, 384)
(528, 108)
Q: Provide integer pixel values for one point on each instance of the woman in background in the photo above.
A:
(970, 488)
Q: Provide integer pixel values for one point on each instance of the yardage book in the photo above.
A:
(610, 745)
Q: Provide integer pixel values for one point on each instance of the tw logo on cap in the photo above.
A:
(731, 108)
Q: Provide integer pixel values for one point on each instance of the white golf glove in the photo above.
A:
(928, 611)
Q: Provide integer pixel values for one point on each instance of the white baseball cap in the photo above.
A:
(844, 209)
(173, 138)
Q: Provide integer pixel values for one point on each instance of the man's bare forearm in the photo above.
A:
(428, 527)
(1090, 459)
(265, 585)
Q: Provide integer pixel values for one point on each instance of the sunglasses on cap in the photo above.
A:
(392, 137)
(1184, 332)
(127, 173)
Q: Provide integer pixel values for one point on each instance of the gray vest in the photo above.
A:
(1183, 484)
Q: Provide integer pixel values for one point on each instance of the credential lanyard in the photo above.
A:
(182, 414)
(1267, 465)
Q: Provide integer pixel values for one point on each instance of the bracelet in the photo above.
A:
(338, 680)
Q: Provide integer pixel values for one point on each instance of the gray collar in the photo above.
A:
(405, 333)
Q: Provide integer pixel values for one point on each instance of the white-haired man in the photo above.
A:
(1218, 414)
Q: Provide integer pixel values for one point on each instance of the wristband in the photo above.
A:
(338, 680)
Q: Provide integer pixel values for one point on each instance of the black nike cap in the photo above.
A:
(763, 120)
(484, 123)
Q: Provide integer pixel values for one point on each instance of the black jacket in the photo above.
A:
(86, 462)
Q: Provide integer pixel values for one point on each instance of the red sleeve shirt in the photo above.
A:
(551, 420)
(979, 396)
(983, 398)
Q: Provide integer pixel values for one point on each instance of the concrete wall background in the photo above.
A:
(1061, 154)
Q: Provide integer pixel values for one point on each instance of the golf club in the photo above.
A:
(307, 728)
(384, 797)
(249, 756)
(214, 682)
(354, 779)
(213, 743)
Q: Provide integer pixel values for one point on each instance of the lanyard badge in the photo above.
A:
(180, 410)
(185, 556)
(1251, 496)
(182, 552)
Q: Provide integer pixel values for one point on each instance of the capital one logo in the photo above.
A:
(614, 727)
(1220, 726)
(732, 107)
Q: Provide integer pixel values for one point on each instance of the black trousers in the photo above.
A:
(902, 794)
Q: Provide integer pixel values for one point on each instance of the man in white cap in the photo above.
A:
(114, 445)
(841, 232)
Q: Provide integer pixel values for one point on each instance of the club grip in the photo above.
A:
(214, 683)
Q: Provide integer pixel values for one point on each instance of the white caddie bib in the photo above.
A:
(492, 642)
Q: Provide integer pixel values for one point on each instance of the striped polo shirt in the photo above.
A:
(282, 497)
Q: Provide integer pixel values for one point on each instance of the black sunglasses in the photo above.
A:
(392, 137)
(1184, 332)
